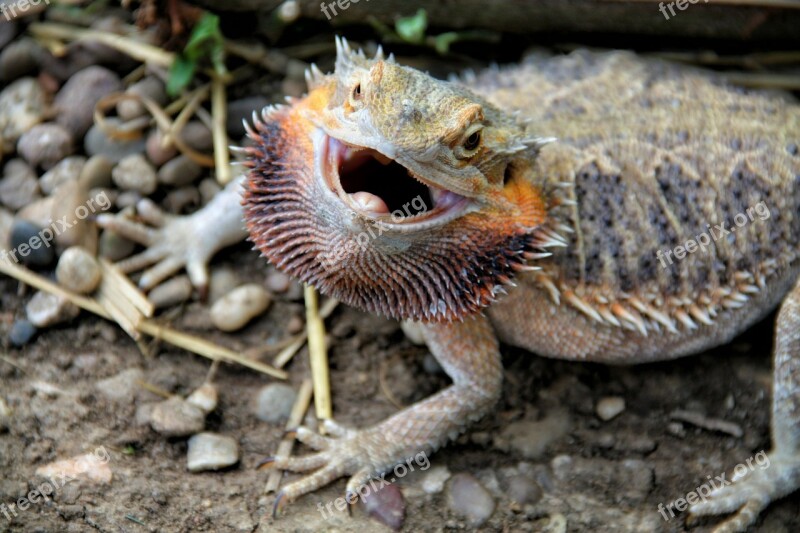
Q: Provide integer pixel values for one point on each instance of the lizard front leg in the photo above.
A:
(750, 493)
(176, 242)
(468, 352)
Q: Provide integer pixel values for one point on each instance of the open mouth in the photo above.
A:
(378, 187)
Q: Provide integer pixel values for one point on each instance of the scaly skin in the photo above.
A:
(647, 157)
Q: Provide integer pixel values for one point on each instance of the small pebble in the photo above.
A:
(179, 171)
(96, 173)
(150, 87)
(174, 291)
(210, 451)
(19, 186)
(157, 153)
(468, 499)
(22, 332)
(523, 491)
(135, 173)
(177, 418)
(45, 309)
(30, 249)
(386, 505)
(22, 106)
(278, 281)
(97, 142)
(77, 98)
(274, 402)
(234, 310)
(434, 480)
(115, 247)
(609, 407)
(196, 135)
(8, 31)
(66, 170)
(45, 145)
(20, 58)
(78, 270)
(205, 397)
(121, 388)
(223, 281)
(181, 200)
(208, 188)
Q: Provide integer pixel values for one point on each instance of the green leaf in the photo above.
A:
(443, 41)
(412, 29)
(180, 75)
(206, 45)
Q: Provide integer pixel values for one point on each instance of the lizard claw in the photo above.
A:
(749, 493)
(172, 243)
(360, 454)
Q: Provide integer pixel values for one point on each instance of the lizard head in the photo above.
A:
(395, 192)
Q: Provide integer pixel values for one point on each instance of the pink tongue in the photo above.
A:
(369, 202)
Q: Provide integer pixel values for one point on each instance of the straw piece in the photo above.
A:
(219, 113)
(319, 356)
(295, 419)
(186, 341)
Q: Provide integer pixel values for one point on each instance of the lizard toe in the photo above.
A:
(749, 493)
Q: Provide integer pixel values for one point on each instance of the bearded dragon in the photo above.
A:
(561, 208)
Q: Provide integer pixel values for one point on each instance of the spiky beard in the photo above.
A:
(441, 274)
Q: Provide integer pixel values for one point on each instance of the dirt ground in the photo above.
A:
(593, 475)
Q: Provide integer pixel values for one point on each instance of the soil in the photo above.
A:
(620, 470)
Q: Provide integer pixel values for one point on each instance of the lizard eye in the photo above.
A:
(473, 141)
(357, 92)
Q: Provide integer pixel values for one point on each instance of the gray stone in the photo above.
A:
(176, 418)
(46, 309)
(469, 500)
(24, 236)
(274, 402)
(45, 145)
(98, 143)
(21, 333)
(19, 186)
(65, 171)
(210, 451)
(179, 171)
(77, 98)
(20, 58)
(22, 106)
(135, 173)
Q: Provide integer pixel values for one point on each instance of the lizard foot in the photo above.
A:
(362, 454)
(750, 492)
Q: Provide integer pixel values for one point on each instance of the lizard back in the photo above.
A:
(649, 157)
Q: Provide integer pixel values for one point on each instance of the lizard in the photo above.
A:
(556, 203)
